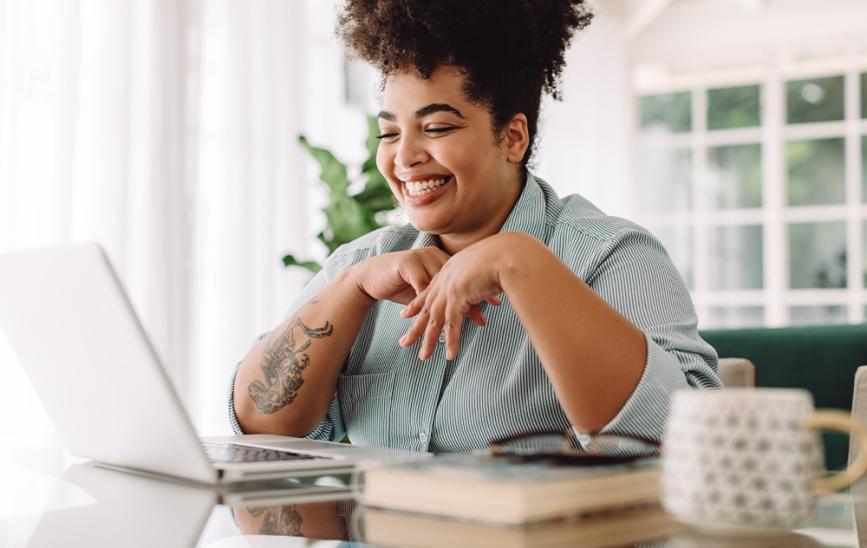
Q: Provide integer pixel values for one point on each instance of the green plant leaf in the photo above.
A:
(371, 143)
(349, 216)
(312, 266)
(333, 171)
(376, 198)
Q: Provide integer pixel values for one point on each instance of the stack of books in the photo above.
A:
(503, 491)
(601, 530)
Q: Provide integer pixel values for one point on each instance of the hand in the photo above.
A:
(469, 278)
(399, 276)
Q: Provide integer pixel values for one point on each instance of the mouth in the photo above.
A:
(420, 188)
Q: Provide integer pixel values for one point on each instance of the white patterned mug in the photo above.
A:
(748, 459)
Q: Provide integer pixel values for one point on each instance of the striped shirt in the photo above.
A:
(497, 386)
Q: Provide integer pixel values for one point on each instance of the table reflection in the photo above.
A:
(319, 520)
(95, 507)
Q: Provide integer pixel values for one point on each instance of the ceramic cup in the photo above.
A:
(750, 459)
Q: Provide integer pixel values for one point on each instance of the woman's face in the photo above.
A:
(441, 158)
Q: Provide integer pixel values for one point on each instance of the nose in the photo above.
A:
(410, 152)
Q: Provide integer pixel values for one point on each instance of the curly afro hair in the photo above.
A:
(510, 51)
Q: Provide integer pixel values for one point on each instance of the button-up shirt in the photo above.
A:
(497, 386)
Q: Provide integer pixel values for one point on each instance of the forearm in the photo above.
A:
(286, 381)
(593, 355)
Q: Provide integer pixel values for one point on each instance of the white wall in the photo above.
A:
(586, 139)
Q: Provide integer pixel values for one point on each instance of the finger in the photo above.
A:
(416, 275)
(475, 314)
(415, 305)
(494, 300)
(454, 320)
(432, 330)
(416, 329)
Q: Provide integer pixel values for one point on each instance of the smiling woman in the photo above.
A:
(577, 319)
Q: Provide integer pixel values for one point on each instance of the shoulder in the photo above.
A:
(577, 224)
(377, 242)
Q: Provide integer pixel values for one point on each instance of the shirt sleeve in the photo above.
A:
(331, 427)
(636, 277)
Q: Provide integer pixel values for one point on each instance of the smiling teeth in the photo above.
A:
(420, 188)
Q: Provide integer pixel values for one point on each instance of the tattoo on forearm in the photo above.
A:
(283, 361)
(279, 520)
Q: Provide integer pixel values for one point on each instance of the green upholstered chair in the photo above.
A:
(821, 359)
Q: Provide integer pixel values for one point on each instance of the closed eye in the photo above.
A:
(439, 129)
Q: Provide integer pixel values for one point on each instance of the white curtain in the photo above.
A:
(251, 185)
(166, 130)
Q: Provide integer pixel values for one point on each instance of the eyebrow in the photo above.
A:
(423, 111)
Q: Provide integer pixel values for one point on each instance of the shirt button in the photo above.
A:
(443, 337)
(422, 437)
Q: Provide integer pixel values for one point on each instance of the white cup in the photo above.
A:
(750, 459)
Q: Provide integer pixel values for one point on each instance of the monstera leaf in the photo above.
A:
(348, 216)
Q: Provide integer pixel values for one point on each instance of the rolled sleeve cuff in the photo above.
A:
(646, 410)
(233, 418)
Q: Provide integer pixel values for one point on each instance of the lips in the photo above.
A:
(420, 191)
(422, 187)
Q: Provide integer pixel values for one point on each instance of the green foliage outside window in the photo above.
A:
(734, 107)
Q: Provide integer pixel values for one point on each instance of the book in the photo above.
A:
(606, 529)
(501, 490)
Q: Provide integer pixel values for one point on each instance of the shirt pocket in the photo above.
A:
(365, 403)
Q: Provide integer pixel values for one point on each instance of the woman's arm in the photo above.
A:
(600, 364)
(593, 355)
(287, 381)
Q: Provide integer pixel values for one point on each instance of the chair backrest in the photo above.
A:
(859, 403)
(737, 372)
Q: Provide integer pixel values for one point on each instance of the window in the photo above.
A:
(758, 189)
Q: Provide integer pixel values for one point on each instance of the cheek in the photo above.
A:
(385, 165)
(382, 162)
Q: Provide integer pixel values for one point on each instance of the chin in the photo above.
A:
(425, 225)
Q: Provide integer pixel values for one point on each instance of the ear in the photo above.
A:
(517, 138)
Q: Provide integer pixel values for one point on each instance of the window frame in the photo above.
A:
(774, 216)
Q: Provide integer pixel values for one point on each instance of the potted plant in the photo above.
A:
(348, 215)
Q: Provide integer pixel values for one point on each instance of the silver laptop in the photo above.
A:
(75, 332)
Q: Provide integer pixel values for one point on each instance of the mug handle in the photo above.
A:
(841, 421)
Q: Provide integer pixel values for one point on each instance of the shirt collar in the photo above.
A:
(528, 215)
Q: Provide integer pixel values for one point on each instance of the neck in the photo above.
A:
(457, 241)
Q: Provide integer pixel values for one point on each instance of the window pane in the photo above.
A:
(665, 179)
(672, 112)
(864, 252)
(864, 95)
(735, 316)
(817, 315)
(735, 176)
(733, 107)
(864, 168)
(817, 255)
(814, 100)
(816, 172)
(678, 243)
(735, 257)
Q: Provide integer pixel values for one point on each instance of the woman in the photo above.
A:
(578, 320)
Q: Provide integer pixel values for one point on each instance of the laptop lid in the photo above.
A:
(79, 341)
(125, 510)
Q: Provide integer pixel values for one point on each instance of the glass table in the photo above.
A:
(87, 505)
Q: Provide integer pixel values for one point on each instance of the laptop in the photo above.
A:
(69, 320)
(98, 507)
